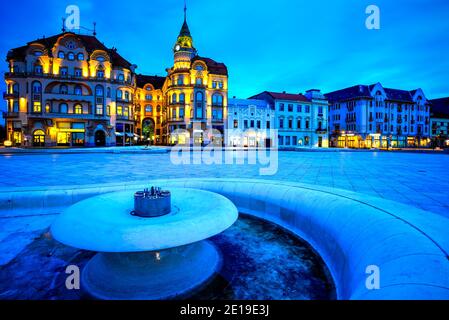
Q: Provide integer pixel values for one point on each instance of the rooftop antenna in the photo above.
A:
(185, 11)
(95, 28)
(63, 25)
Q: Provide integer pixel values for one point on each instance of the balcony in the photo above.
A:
(8, 96)
(321, 131)
(176, 119)
(64, 77)
(123, 100)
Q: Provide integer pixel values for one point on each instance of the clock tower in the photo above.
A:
(184, 50)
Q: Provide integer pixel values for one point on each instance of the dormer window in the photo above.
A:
(37, 53)
(80, 57)
(38, 69)
(199, 67)
(61, 55)
(71, 56)
(100, 59)
(121, 77)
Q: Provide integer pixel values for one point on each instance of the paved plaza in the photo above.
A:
(416, 179)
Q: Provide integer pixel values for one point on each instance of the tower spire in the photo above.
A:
(185, 11)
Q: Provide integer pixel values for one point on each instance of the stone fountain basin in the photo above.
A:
(104, 223)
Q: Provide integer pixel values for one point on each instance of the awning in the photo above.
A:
(119, 134)
(129, 134)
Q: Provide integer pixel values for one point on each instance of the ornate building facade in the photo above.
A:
(301, 120)
(376, 117)
(71, 90)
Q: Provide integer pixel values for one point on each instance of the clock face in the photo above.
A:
(177, 47)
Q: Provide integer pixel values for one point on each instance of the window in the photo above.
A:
(307, 109)
(268, 124)
(181, 113)
(63, 89)
(121, 77)
(258, 124)
(100, 73)
(298, 123)
(78, 91)
(99, 91)
(71, 56)
(38, 69)
(126, 95)
(217, 100)
(100, 59)
(108, 92)
(119, 94)
(126, 111)
(320, 111)
(299, 108)
(307, 124)
(78, 73)
(148, 97)
(180, 80)
(108, 110)
(281, 107)
(199, 81)
(61, 55)
(281, 140)
(80, 57)
(290, 108)
(236, 123)
(37, 87)
(148, 109)
(37, 53)
(251, 124)
(78, 109)
(119, 110)
(245, 124)
(290, 123)
(63, 108)
(281, 123)
(99, 109)
(199, 67)
(37, 107)
(214, 84)
(220, 85)
(182, 98)
(174, 98)
(63, 71)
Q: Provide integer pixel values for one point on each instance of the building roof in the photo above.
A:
(213, 66)
(156, 81)
(364, 91)
(439, 108)
(90, 43)
(283, 96)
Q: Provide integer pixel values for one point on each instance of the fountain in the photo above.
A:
(153, 248)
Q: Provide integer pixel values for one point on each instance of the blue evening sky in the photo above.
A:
(290, 45)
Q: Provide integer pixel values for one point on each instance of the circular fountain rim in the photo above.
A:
(88, 224)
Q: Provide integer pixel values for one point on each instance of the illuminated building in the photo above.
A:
(196, 94)
(301, 120)
(376, 117)
(69, 90)
(248, 122)
(439, 122)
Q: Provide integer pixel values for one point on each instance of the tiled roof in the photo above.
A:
(287, 96)
(363, 91)
(359, 91)
(156, 81)
(213, 66)
(439, 108)
(90, 43)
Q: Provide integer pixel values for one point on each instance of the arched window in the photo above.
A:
(126, 95)
(199, 97)
(119, 94)
(37, 87)
(100, 72)
(78, 91)
(38, 69)
(99, 90)
(71, 56)
(61, 55)
(199, 67)
(78, 109)
(182, 98)
(108, 92)
(121, 77)
(80, 57)
(174, 98)
(180, 80)
(15, 88)
(199, 81)
(63, 108)
(100, 59)
(63, 89)
(217, 100)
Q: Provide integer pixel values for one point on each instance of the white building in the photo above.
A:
(301, 120)
(249, 122)
(376, 117)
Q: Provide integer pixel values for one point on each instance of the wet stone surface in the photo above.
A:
(260, 261)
